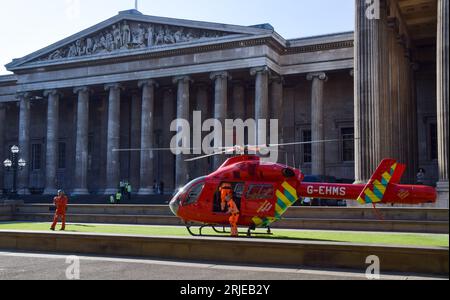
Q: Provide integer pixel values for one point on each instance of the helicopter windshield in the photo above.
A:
(193, 188)
(194, 193)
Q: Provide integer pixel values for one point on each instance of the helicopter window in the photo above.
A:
(239, 190)
(260, 192)
(194, 194)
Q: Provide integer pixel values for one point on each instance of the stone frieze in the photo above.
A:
(129, 35)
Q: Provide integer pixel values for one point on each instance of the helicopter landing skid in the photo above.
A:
(200, 233)
(249, 232)
(223, 231)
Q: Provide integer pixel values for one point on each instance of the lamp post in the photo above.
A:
(14, 163)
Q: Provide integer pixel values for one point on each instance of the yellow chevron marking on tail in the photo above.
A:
(283, 198)
(372, 196)
(361, 201)
(279, 210)
(290, 189)
(379, 186)
(394, 166)
(387, 177)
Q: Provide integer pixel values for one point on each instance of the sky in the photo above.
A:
(29, 25)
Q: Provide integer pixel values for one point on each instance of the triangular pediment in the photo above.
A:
(131, 31)
(131, 35)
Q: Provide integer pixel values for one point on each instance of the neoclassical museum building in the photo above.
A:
(381, 91)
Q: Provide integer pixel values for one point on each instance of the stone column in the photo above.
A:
(52, 141)
(81, 148)
(2, 147)
(183, 83)
(276, 105)
(135, 139)
(202, 105)
(239, 99)
(113, 141)
(261, 102)
(24, 143)
(442, 102)
(168, 157)
(147, 136)
(220, 112)
(317, 122)
(414, 122)
(366, 72)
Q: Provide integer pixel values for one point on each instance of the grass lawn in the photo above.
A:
(404, 239)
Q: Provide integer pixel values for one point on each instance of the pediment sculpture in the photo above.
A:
(131, 35)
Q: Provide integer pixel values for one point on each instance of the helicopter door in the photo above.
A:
(238, 190)
(259, 200)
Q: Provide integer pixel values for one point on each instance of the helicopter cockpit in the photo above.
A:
(189, 194)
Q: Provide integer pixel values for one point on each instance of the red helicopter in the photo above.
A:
(264, 191)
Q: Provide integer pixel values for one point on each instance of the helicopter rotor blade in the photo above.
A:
(237, 148)
(308, 143)
(206, 156)
(259, 147)
(152, 149)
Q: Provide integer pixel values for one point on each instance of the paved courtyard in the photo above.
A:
(33, 266)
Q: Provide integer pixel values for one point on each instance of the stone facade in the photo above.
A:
(120, 84)
(395, 88)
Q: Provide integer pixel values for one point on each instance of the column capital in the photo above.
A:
(147, 82)
(275, 78)
(184, 79)
(82, 89)
(319, 75)
(221, 75)
(52, 92)
(23, 95)
(257, 70)
(110, 86)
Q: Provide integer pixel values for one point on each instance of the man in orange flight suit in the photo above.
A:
(226, 197)
(225, 193)
(60, 203)
(234, 216)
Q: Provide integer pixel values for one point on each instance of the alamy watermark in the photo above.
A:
(373, 270)
(372, 9)
(221, 136)
(73, 270)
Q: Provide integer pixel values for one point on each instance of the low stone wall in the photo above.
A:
(6, 212)
(238, 251)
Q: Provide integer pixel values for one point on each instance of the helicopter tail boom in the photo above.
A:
(383, 187)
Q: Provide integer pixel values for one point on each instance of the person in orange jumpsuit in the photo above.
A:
(234, 216)
(226, 192)
(60, 203)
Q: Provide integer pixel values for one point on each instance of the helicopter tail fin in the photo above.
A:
(388, 172)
